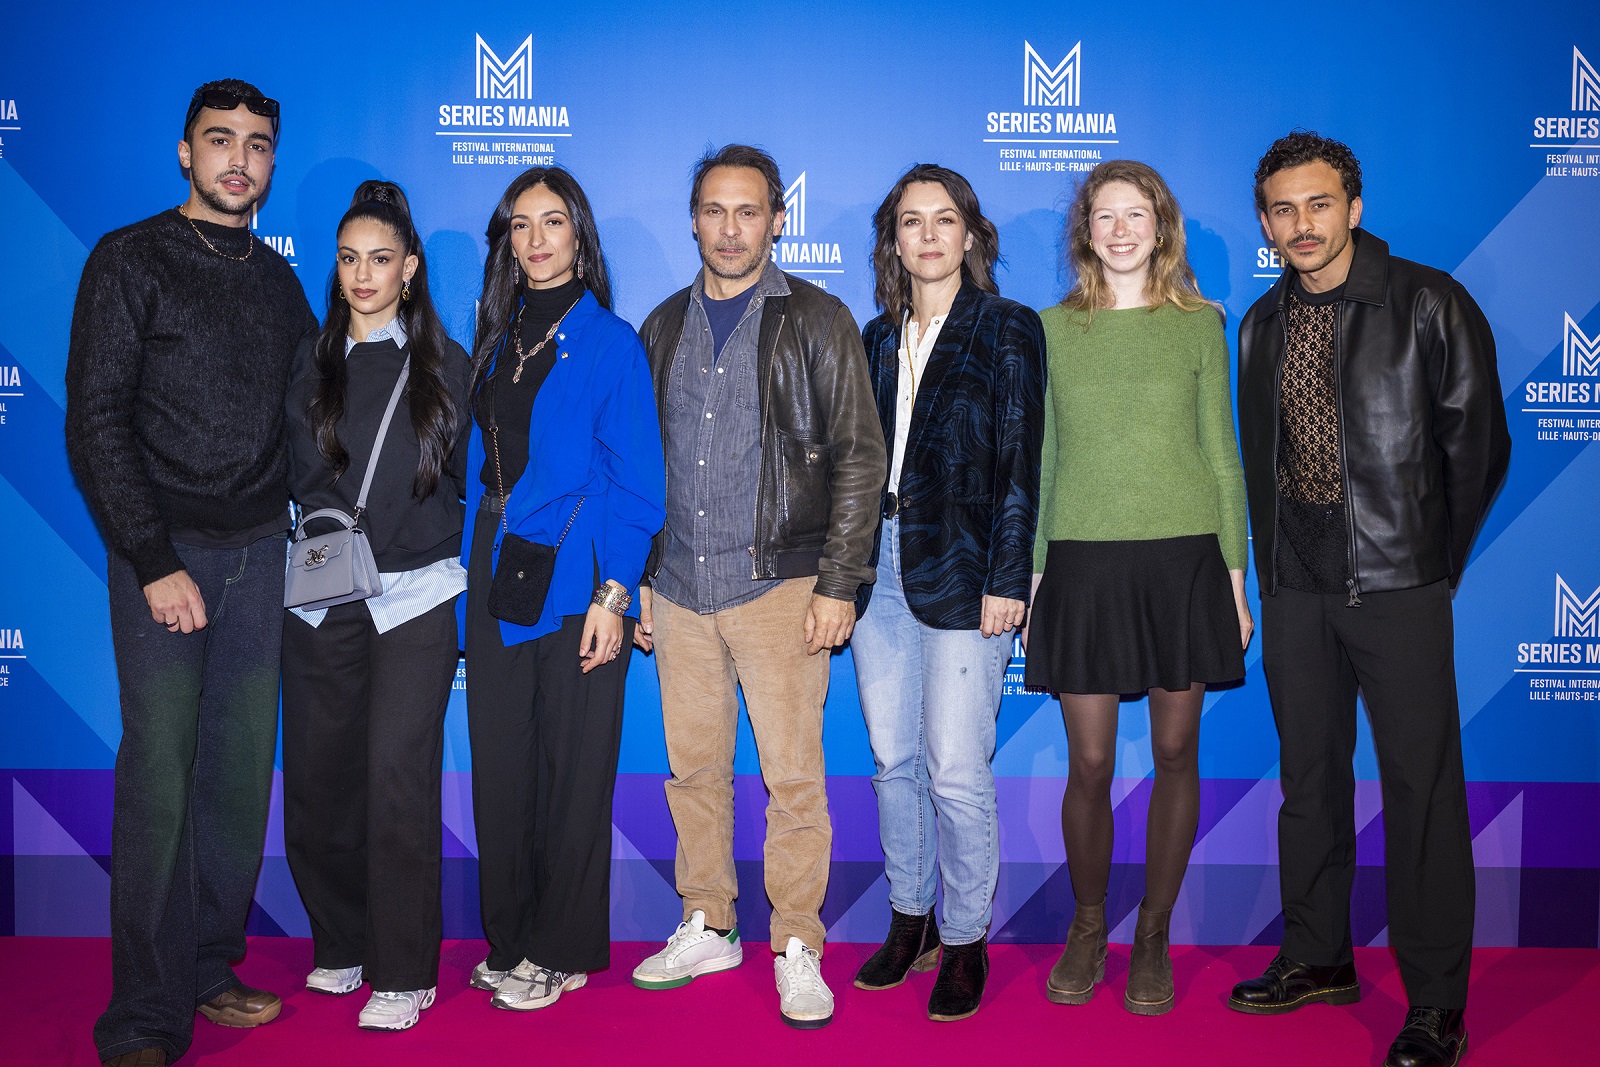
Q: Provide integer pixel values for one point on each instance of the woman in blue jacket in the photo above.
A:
(958, 373)
(566, 453)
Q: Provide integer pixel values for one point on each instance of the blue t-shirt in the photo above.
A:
(724, 316)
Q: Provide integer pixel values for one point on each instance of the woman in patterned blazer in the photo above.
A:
(958, 374)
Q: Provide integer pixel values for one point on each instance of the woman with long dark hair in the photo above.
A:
(1140, 555)
(958, 374)
(565, 459)
(365, 683)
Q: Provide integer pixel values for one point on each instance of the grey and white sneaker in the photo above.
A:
(803, 997)
(395, 1011)
(529, 986)
(486, 979)
(334, 980)
(690, 952)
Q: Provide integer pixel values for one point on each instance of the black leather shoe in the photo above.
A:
(912, 945)
(1288, 985)
(959, 988)
(1431, 1037)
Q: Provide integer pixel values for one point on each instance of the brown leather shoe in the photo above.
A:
(1083, 960)
(145, 1057)
(242, 1006)
(1150, 990)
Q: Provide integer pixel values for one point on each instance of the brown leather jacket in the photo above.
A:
(823, 461)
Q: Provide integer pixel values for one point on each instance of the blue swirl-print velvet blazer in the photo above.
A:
(969, 485)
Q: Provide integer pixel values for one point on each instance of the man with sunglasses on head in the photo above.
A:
(182, 338)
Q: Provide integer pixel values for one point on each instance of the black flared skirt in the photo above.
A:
(1126, 616)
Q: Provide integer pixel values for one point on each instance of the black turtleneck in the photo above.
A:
(513, 401)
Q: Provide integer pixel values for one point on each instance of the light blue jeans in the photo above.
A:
(930, 698)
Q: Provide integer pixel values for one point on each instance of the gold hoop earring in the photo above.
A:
(1161, 239)
(405, 290)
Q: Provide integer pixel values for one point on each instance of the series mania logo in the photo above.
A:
(1580, 123)
(1046, 85)
(1575, 617)
(1580, 367)
(800, 256)
(504, 79)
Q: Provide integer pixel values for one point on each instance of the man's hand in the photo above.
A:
(829, 622)
(1033, 599)
(175, 603)
(1001, 614)
(644, 633)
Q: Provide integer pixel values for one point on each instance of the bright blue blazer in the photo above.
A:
(594, 435)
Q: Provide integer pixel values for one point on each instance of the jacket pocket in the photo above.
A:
(803, 499)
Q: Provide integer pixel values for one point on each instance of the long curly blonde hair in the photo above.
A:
(1170, 281)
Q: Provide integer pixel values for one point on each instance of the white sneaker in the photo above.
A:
(334, 980)
(690, 952)
(803, 997)
(485, 979)
(394, 1011)
(529, 986)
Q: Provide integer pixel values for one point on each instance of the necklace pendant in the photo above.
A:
(516, 375)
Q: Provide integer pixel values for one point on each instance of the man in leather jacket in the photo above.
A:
(775, 463)
(1374, 437)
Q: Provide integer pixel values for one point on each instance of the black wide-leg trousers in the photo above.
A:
(363, 742)
(1398, 649)
(545, 740)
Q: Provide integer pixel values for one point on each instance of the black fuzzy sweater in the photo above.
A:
(176, 374)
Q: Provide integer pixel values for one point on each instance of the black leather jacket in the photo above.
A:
(1422, 420)
(823, 461)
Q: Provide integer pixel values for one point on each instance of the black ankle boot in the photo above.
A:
(912, 945)
(1432, 1037)
(959, 987)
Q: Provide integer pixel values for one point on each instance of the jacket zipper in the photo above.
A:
(766, 408)
(1352, 585)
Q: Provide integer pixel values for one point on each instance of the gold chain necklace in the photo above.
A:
(237, 259)
(516, 333)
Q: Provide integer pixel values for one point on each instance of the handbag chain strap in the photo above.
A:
(499, 475)
(383, 432)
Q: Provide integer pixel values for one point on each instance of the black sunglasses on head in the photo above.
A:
(227, 100)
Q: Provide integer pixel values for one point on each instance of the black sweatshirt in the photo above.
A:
(176, 372)
(405, 533)
(513, 401)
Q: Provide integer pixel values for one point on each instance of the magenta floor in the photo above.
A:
(1528, 1006)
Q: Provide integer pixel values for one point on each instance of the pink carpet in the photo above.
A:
(1528, 1006)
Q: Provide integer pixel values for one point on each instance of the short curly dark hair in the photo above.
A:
(1300, 147)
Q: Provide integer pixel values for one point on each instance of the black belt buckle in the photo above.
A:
(891, 505)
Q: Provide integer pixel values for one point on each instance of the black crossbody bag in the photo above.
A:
(521, 581)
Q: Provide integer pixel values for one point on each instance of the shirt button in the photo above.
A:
(708, 414)
(700, 513)
(702, 559)
(702, 463)
(722, 370)
(702, 370)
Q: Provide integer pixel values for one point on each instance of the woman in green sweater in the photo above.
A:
(1140, 554)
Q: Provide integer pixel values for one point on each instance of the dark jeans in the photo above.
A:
(1399, 649)
(363, 739)
(545, 739)
(199, 725)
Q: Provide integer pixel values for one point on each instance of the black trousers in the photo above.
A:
(363, 741)
(1398, 648)
(194, 771)
(545, 739)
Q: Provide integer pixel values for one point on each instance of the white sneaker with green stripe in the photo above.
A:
(692, 951)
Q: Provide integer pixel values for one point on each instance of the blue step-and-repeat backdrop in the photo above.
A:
(1479, 128)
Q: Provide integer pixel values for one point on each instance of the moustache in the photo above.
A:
(234, 172)
(1301, 237)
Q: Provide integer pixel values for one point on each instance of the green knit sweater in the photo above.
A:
(1139, 441)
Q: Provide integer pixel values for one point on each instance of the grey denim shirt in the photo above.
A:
(713, 425)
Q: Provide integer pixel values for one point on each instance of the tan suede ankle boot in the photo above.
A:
(1083, 960)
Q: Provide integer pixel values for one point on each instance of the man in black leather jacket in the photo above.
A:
(1374, 437)
(775, 464)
